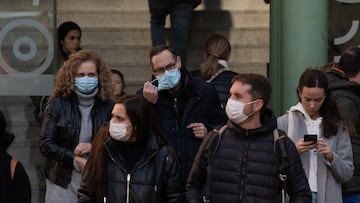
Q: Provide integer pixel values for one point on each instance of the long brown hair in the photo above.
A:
(216, 47)
(142, 118)
(64, 80)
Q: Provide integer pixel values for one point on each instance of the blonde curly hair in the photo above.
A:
(65, 78)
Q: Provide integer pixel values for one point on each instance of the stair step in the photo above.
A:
(140, 19)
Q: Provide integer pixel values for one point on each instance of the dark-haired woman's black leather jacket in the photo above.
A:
(155, 177)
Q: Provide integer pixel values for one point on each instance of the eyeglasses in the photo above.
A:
(161, 70)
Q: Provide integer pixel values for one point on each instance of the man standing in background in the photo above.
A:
(344, 82)
(180, 12)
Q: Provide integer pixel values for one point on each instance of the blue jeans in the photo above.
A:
(351, 198)
(314, 197)
(180, 16)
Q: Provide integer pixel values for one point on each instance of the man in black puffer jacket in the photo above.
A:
(242, 166)
(344, 83)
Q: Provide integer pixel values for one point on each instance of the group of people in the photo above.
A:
(83, 121)
(197, 137)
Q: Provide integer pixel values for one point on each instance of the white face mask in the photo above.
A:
(118, 131)
(235, 110)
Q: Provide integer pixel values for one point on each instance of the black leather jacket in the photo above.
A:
(155, 178)
(60, 135)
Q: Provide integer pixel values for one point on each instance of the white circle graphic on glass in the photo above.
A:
(25, 48)
(24, 42)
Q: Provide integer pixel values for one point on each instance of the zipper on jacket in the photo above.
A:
(177, 127)
(128, 188)
(128, 176)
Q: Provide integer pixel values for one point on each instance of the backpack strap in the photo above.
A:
(212, 150)
(211, 147)
(282, 158)
(12, 168)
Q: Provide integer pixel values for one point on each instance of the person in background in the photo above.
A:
(345, 88)
(69, 40)
(130, 160)
(215, 69)
(239, 164)
(79, 105)
(180, 12)
(118, 83)
(187, 107)
(14, 181)
(328, 160)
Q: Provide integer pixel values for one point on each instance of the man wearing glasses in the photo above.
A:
(187, 108)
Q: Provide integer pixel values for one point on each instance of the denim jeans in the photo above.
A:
(351, 198)
(314, 197)
(180, 16)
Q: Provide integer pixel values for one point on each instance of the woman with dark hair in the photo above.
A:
(215, 69)
(327, 159)
(69, 39)
(14, 181)
(130, 160)
(118, 83)
(79, 105)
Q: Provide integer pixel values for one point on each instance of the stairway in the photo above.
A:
(119, 31)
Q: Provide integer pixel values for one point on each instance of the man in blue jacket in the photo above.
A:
(187, 108)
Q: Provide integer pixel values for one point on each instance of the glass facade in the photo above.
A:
(27, 50)
(343, 27)
(27, 47)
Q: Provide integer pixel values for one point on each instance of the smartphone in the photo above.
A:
(310, 137)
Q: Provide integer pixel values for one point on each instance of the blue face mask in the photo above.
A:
(86, 84)
(169, 79)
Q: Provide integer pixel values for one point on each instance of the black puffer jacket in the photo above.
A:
(244, 168)
(156, 177)
(347, 96)
(60, 135)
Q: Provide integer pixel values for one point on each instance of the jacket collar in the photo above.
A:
(268, 124)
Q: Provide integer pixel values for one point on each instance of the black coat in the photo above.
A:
(244, 168)
(60, 135)
(155, 177)
(18, 189)
(347, 96)
(222, 84)
(196, 101)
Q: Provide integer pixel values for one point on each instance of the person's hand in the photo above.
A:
(324, 149)
(150, 92)
(82, 148)
(80, 162)
(302, 146)
(199, 130)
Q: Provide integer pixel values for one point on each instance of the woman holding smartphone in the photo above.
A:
(328, 160)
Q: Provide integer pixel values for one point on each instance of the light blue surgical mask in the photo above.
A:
(169, 79)
(86, 85)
